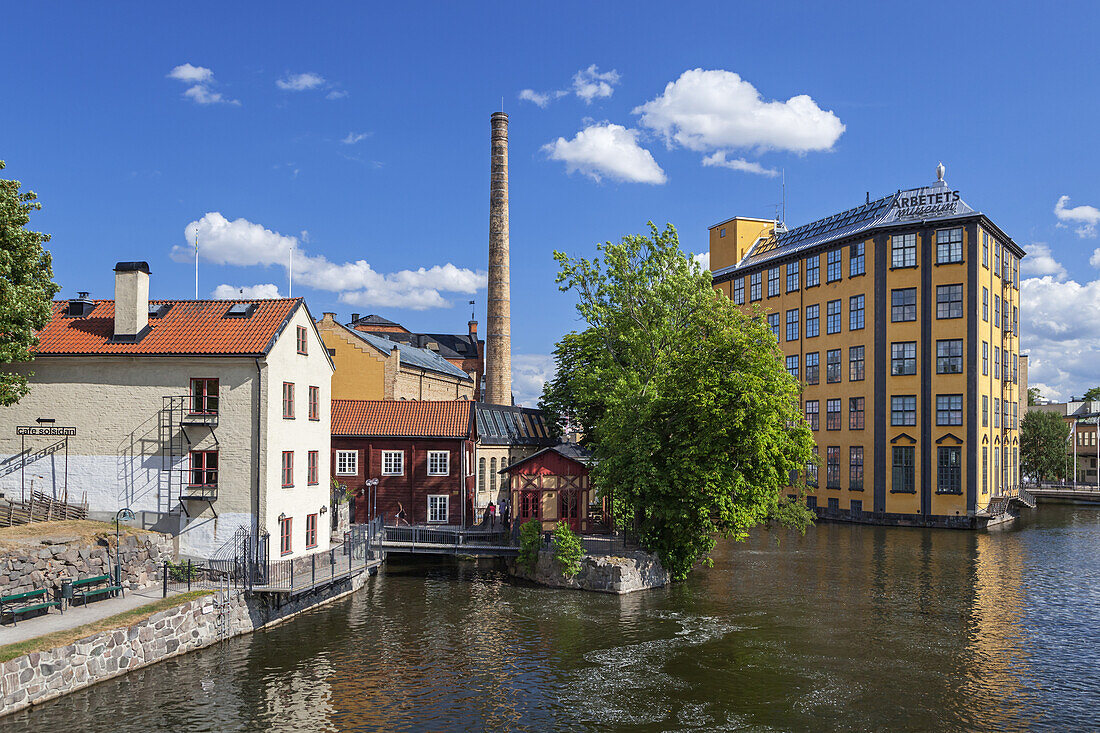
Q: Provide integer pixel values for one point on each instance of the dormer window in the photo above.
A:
(240, 310)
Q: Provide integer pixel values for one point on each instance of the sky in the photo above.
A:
(353, 138)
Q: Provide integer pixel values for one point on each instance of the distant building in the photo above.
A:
(553, 485)
(505, 435)
(206, 418)
(1083, 446)
(372, 366)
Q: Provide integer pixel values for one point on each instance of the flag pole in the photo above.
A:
(196, 263)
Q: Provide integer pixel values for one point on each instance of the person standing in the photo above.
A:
(492, 516)
(505, 514)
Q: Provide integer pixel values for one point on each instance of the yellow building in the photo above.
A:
(901, 319)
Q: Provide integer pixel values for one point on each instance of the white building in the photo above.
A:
(204, 417)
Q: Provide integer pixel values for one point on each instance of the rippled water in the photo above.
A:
(849, 628)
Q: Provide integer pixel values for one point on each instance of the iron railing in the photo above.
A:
(413, 536)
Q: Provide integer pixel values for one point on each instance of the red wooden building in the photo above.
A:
(553, 484)
(420, 452)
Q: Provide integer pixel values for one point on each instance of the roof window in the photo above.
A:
(157, 310)
(240, 310)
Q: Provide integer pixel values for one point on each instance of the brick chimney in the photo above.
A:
(131, 300)
(354, 318)
(473, 329)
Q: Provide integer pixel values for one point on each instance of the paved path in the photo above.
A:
(30, 627)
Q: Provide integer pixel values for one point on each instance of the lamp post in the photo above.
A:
(122, 515)
(372, 497)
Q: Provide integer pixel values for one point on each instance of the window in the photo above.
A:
(312, 458)
(303, 341)
(903, 358)
(855, 413)
(285, 525)
(722, 232)
(204, 468)
(773, 282)
(792, 325)
(949, 301)
(949, 246)
(985, 304)
(985, 358)
(855, 363)
(832, 316)
(985, 469)
(949, 356)
(855, 468)
(996, 362)
(855, 312)
(393, 463)
(811, 501)
(1015, 369)
(985, 411)
(996, 465)
(438, 505)
(812, 416)
(985, 249)
(996, 257)
(288, 469)
(832, 265)
(903, 479)
(811, 478)
(773, 324)
(855, 259)
(903, 305)
(996, 412)
(1016, 320)
(812, 312)
(997, 311)
(754, 286)
(811, 367)
(832, 414)
(903, 410)
(739, 291)
(832, 467)
(813, 270)
(204, 397)
(1016, 422)
(832, 366)
(347, 462)
(439, 463)
(311, 531)
(793, 275)
(288, 400)
(949, 409)
(481, 475)
(904, 252)
(792, 366)
(314, 403)
(949, 475)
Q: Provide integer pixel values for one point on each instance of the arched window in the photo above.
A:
(481, 476)
(493, 474)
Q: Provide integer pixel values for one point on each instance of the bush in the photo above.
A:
(568, 550)
(179, 572)
(529, 534)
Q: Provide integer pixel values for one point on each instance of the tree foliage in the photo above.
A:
(694, 422)
(530, 532)
(1092, 394)
(26, 285)
(1043, 445)
(568, 550)
(1033, 396)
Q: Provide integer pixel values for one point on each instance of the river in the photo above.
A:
(848, 628)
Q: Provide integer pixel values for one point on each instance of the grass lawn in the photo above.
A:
(69, 531)
(118, 621)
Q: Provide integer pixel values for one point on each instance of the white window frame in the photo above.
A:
(342, 458)
(387, 469)
(435, 455)
(435, 501)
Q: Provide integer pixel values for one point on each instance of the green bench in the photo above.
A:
(88, 588)
(21, 603)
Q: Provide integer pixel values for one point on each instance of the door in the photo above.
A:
(569, 508)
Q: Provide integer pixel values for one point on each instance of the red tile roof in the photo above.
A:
(188, 327)
(399, 418)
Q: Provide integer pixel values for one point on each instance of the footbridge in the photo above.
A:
(436, 540)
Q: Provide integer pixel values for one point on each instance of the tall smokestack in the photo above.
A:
(498, 336)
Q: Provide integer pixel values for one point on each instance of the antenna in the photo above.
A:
(784, 198)
(196, 263)
(472, 310)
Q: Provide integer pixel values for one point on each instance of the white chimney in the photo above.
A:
(131, 300)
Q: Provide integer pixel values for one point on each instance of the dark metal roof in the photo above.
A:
(451, 346)
(572, 451)
(504, 425)
(375, 320)
(423, 358)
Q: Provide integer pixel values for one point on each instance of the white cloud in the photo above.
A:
(247, 292)
(300, 82)
(718, 158)
(608, 150)
(336, 94)
(354, 137)
(717, 110)
(1086, 217)
(202, 81)
(589, 84)
(529, 373)
(703, 260)
(1095, 259)
(244, 243)
(1040, 261)
(1060, 329)
(191, 74)
(540, 98)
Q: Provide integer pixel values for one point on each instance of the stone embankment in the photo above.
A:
(625, 573)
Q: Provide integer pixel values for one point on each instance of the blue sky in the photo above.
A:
(358, 136)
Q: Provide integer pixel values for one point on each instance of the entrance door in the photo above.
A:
(528, 505)
(569, 508)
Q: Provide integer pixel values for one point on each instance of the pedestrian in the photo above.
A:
(492, 516)
(505, 514)
(485, 518)
(401, 515)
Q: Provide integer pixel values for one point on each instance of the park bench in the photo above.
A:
(88, 588)
(21, 603)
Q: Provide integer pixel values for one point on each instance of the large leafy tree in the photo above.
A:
(1033, 396)
(1092, 394)
(693, 420)
(1043, 445)
(26, 285)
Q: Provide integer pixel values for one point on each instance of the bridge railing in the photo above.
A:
(442, 536)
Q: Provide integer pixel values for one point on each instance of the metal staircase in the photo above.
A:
(181, 427)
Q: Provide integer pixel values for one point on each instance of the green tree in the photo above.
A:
(1043, 445)
(1092, 394)
(568, 550)
(1033, 396)
(530, 535)
(693, 420)
(26, 285)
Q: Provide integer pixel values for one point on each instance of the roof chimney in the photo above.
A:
(354, 317)
(498, 331)
(80, 306)
(473, 329)
(131, 300)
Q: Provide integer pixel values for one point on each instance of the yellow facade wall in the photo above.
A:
(730, 240)
(360, 369)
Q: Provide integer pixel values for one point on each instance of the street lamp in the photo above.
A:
(372, 497)
(122, 515)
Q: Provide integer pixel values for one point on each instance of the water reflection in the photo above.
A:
(847, 628)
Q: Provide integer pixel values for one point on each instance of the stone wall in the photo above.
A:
(40, 676)
(626, 573)
(46, 563)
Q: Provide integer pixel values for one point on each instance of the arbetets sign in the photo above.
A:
(935, 202)
(44, 430)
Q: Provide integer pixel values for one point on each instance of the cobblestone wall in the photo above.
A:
(619, 574)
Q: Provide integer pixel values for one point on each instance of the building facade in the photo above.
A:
(203, 417)
(1083, 444)
(504, 436)
(900, 318)
(553, 486)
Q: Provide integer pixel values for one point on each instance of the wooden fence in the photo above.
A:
(40, 508)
